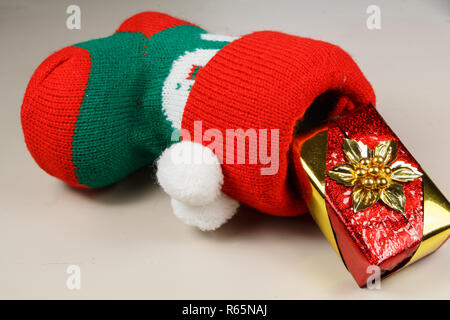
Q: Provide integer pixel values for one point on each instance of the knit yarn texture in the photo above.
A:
(96, 111)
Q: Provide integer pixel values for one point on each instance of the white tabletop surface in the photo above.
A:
(125, 239)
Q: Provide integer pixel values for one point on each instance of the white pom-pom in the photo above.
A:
(208, 217)
(190, 172)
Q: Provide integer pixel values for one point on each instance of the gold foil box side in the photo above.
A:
(313, 159)
(436, 224)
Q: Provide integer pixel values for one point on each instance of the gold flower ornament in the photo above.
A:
(374, 175)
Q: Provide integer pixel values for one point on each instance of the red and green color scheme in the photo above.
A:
(96, 111)
(93, 112)
(99, 110)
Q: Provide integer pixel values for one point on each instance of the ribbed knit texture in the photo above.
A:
(99, 110)
(267, 80)
(93, 113)
(150, 23)
(50, 109)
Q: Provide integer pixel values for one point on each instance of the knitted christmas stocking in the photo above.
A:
(218, 113)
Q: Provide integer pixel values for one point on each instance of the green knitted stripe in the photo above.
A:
(121, 127)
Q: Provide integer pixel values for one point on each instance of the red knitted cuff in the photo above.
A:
(267, 80)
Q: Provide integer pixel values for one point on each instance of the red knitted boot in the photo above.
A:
(97, 111)
(245, 106)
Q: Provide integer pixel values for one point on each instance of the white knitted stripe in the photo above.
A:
(217, 37)
(178, 84)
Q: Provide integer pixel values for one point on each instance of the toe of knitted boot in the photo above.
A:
(50, 108)
(83, 117)
(92, 112)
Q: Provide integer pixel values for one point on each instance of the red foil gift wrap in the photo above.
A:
(377, 235)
